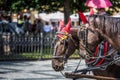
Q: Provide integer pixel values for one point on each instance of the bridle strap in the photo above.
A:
(87, 56)
(84, 45)
(86, 37)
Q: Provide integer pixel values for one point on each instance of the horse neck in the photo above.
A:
(110, 31)
(74, 32)
(104, 25)
(74, 36)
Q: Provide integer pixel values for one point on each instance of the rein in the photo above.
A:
(95, 58)
(85, 44)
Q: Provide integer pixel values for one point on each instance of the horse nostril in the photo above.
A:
(57, 67)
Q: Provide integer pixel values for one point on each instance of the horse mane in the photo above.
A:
(107, 24)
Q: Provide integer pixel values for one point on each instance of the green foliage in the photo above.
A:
(78, 5)
(115, 7)
(50, 5)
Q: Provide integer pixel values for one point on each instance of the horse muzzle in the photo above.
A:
(58, 66)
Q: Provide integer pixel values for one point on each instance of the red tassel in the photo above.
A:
(96, 51)
(82, 17)
(68, 26)
(65, 29)
(91, 11)
(61, 25)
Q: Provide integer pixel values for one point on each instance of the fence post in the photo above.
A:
(41, 45)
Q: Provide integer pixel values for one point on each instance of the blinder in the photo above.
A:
(82, 35)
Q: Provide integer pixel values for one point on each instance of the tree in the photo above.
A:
(67, 6)
(115, 7)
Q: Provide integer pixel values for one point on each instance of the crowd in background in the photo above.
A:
(25, 23)
(31, 22)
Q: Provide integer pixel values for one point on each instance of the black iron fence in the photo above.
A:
(15, 46)
(25, 46)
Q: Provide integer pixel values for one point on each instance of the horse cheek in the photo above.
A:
(61, 50)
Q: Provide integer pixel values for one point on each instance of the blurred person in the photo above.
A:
(101, 11)
(4, 18)
(11, 24)
(53, 27)
(26, 25)
(32, 18)
(5, 23)
(19, 27)
(0, 18)
(33, 27)
(46, 28)
(33, 15)
(40, 25)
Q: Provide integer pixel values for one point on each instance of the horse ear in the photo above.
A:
(82, 17)
(61, 25)
(65, 30)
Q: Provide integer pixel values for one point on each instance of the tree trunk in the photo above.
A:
(66, 10)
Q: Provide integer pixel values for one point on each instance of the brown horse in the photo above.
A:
(104, 28)
(64, 48)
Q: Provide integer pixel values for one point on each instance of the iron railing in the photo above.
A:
(27, 46)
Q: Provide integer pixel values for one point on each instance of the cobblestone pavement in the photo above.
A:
(34, 70)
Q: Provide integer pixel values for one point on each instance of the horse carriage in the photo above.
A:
(100, 42)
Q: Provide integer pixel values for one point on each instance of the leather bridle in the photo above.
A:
(65, 43)
(83, 41)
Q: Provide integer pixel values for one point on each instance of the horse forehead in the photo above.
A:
(58, 44)
(59, 47)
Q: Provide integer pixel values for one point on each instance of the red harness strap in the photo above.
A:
(106, 44)
(95, 54)
(96, 51)
(105, 51)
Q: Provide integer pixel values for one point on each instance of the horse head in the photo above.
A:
(65, 45)
(89, 36)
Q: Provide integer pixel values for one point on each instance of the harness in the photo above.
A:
(65, 40)
(102, 55)
(94, 61)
